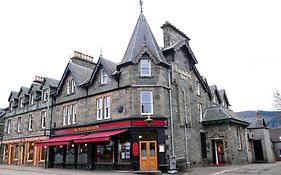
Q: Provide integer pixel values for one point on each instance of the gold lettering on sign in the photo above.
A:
(86, 128)
(183, 74)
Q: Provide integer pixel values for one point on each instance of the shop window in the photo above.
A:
(104, 152)
(70, 153)
(5, 153)
(42, 153)
(30, 151)
(58, 154)
(17, 152)
(82, 153)
(124, 147)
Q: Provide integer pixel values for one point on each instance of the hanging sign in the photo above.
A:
(135, 149)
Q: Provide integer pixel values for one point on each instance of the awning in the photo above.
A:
(63, 140)
(99, 136)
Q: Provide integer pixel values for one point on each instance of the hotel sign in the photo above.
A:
(86, 128)
(30, 139)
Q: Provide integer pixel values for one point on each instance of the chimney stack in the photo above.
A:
(83, 60)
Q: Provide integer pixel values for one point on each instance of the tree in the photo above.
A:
(276, 100)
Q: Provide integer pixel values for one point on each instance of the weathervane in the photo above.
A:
(141, 3)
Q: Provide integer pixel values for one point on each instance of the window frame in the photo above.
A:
(30, 122)
(200, 111)
(150, 102)
(69, 114)
(19, 124)
(107, 101)
(31, 99)
(45, 94)
(99, 102)
(239, 140)
(43, 119)
(9, 126)
(143, 67)
(21, 102)
(74, 113)
(73, 86)
(64, 117)
(104, 77)
(198, 88)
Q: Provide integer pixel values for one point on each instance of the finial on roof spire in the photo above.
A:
(141, 3)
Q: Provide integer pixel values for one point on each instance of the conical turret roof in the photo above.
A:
(142, 41)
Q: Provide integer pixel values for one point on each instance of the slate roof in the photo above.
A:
(275, 134)
(12, 95)
(224, 96)
(23, 90)
(220, 114)
(142, 41)
(80, 74)
(259, 121)
(51, 82)
(214, 91)
(109, 67)
(36, 85)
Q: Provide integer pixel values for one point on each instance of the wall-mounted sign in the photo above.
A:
(135, 149)
(161, 148)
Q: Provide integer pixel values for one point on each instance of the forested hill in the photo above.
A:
(272, 118)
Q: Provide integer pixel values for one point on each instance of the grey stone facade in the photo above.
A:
(179, 98)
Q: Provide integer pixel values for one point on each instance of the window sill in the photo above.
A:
(146, 76)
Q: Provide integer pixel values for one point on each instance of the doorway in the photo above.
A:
(148, 155)
(258, 150)
(218, 152)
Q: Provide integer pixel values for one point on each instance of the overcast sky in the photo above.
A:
(236, 42)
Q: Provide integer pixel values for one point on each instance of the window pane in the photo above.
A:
(146, 102)
(104, 152)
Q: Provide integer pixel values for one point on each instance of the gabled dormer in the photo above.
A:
(23, 97)
(13, 100)
(48, 88)
(73, 78)
(224, 98)
(216, 98)
(34, 90)
(103, 77)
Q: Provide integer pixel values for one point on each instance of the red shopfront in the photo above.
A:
(127, 144)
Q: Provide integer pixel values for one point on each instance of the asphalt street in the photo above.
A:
(248, 169)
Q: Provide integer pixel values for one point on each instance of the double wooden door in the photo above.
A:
(148, 155)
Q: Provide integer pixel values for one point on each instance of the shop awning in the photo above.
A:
(63, 140)
(98, 137)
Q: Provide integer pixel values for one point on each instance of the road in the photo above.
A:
(249, 169)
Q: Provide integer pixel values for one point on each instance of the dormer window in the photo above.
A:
(145, 68)
(71, 87)
(45, 95)
(215, 100)
(31, 100)
(104, 77)
(21, 102)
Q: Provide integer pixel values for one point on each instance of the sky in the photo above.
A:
(237, 42)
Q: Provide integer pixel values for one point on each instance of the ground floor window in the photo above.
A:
(5, 153)
(124, 147)
(30, 151)
(42, 153)
(17, 152)
(82, 152)
(58, 153)
(104, 152)
(70, 153)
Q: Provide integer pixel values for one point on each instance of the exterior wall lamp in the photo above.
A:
(148, 120)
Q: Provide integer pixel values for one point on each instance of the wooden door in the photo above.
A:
(148, 155)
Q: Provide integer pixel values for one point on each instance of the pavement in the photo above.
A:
(257, 168)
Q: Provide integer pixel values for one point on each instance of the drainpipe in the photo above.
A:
(171, 113)
(185, 128)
